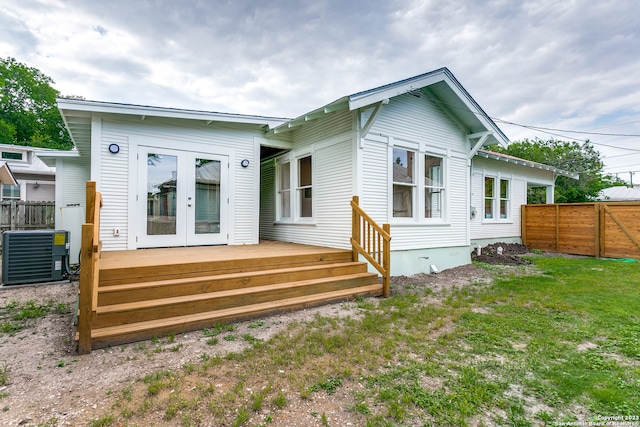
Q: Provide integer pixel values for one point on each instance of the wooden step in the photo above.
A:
(131, 292)
(111, 273)
(130, 332)
(138, 311)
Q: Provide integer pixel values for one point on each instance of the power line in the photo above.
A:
(551, 131)
(565, 130)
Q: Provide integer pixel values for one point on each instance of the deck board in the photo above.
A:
(163, 256)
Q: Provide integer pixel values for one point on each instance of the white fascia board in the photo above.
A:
(56, 153)
(148, 111)
(385, 92)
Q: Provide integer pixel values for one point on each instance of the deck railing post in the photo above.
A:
(366, 236)
(355, 228)
(89, 273)
(85, 305)
(386, 263)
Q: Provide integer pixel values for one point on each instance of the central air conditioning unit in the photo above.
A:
(34, 256)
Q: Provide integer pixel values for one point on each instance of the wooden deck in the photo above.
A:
(153, 292)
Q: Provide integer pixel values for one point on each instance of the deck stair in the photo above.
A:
(147, 293)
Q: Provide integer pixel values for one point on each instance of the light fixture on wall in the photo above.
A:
(244, 163)
(114, 148)
(36, 185)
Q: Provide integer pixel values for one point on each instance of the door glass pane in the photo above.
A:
(162, 173)
(207, 197)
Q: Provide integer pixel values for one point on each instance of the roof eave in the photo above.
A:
(510, 159)
(144, 111)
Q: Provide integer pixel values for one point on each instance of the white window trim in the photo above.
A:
(419, 186)
(497, 179)
(22, 159)
(293, 159)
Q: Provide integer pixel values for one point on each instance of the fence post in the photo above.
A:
(557, 227)
(523, 224)
(14, 214)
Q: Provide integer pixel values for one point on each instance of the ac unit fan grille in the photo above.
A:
(30, 257)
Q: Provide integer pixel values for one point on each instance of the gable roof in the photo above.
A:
(439, 85)
(6, 176)
(516, 160)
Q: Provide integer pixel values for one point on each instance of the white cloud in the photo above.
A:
(568, 65)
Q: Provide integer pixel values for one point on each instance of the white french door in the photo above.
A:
(182, 198)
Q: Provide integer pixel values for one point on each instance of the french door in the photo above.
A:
(182, 198)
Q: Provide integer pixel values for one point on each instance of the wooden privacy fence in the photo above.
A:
(20, 215)
(600, 229)
(373, 242)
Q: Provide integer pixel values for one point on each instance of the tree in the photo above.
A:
(568, 156)
(28, 111)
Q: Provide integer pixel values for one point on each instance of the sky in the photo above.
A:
(568, 65)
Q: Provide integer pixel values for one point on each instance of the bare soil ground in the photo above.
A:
(48, 383)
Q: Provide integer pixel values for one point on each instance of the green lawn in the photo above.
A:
(539, 349)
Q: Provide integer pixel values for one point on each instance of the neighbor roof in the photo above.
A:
(6, 176)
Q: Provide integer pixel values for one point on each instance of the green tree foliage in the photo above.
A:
(568, 156)
(28, 111)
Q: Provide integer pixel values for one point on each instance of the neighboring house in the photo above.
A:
(413, 151)
(620, 194)
(33, 180)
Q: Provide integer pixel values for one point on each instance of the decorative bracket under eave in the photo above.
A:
(364, 130)
(482, 139)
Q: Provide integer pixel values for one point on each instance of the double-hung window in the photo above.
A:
(433, 187)
(497, 198)
(284, 191)
(10, 192)
(422, 199)
(294, 189)
(504, 198)
(305, 196)
(404, 182)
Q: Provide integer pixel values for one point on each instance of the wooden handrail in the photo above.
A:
(89, 267)
(373, 242)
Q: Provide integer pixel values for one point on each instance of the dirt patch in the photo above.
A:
(502, 253)
(48, 382)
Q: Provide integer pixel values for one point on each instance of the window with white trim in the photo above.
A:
(305, 193)
(504, 198)
(284, 190)
(294, 188)
(404, 182)
(12, 155)
(433, 186)
(497, 198)
(489, 197)
(10, 192)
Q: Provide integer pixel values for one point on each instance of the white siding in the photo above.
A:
(332, 191)
(71, 177)
(419, 120)
(519, 176)
(375, 177)
(119, 179)
(323, 129)
(267, 200)
(417, 124)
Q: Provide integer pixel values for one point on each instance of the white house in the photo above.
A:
(32, 180)
(413, 151)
